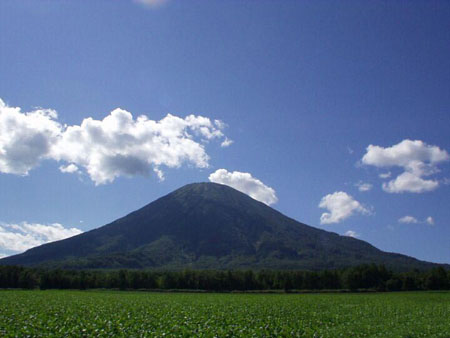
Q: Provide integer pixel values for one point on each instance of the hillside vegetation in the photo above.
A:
(209, 226)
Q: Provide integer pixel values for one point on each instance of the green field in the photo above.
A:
(132, 314)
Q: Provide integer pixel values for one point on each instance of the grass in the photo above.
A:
(133, 314)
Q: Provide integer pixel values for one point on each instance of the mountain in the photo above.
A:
(209, 226)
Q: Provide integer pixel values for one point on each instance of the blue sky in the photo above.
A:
(301, 88)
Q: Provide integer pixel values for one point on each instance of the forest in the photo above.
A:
(363, 277)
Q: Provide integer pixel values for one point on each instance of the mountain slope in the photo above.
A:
(209, 226)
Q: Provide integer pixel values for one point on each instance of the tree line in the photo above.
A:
(363, 277)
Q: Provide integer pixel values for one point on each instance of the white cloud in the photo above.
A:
(385, 175)
(408, 220)
(118, 145)
(26, 138)
(152, 3)
(15, 238)
(407, 154)
(70, 168)
(412, 220)
(220, 124)
(159, 173)
(226, 143)
(364, 186)
(351, 233)
(409, 182)
(245, 183)
(340, 206)
(417, 159)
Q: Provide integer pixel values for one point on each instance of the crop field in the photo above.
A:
(134, 314)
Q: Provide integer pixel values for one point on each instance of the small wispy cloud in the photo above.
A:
(70, 168)
(445, 181)
(152, 3)
(16, 238)
(363, 187)
(413, 220)
(408, 219)
(351, 233)
(226, 143)
(385, 175)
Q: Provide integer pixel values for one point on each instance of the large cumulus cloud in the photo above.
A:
(118, 145)
(26, 138)
(418, 160)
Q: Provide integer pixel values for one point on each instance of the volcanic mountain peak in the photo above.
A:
(209, 226)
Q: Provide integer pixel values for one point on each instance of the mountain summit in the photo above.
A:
(209, 226)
